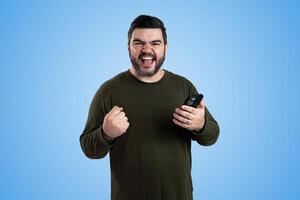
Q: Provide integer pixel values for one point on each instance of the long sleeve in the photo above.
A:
(209, 134)
(91, 140)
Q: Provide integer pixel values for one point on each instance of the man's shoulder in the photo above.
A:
(116, 79)
(112, 83)
(178, 78)
(181, 82)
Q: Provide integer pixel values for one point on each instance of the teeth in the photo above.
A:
(147, 58)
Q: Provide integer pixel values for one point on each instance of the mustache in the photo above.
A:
(147, 54)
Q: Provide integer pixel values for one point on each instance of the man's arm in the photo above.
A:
(92, 140)
(202, 126)
(209, 134)
(94, 144)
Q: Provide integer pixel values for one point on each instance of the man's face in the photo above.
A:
(147, 51)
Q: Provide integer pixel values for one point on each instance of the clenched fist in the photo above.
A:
(115, 122)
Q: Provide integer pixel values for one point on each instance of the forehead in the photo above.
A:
(147, 34)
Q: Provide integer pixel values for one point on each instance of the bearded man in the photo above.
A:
(138, 117)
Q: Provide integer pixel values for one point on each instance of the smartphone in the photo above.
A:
(194, 100)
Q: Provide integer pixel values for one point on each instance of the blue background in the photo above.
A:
(243, 55)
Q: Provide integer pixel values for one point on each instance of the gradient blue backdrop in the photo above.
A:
(243, 55)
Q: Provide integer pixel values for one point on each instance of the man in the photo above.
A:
(138, 117)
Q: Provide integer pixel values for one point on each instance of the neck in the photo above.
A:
(156, 77)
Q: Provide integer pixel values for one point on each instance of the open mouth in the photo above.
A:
(147, 59)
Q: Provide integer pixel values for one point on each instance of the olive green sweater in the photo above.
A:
(152, 160)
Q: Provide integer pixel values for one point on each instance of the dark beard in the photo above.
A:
(141, 73)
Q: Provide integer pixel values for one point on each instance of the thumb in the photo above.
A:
(115, 110)
(202, 104)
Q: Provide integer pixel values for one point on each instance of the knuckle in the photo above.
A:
(111, 119)
(107, 118)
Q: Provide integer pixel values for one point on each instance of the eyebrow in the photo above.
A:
(159, 41)
(153, 41)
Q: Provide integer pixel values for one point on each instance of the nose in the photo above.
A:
(146, 47)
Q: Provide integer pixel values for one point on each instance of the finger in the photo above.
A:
(180, 123)
(115, 110)
(184, 113)
(125, 126)
(124, 120)
(188, 108)
(120, 115)
(181, 119)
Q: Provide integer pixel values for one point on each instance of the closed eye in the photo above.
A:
(137, 43)
(155, 43)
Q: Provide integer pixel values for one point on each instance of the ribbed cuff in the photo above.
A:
(105, 142)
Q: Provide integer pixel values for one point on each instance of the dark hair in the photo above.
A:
(147, 21)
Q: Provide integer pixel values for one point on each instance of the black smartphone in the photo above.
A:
(194, 100)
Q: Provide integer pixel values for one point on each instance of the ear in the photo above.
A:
(128, 47)
(166, 48)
